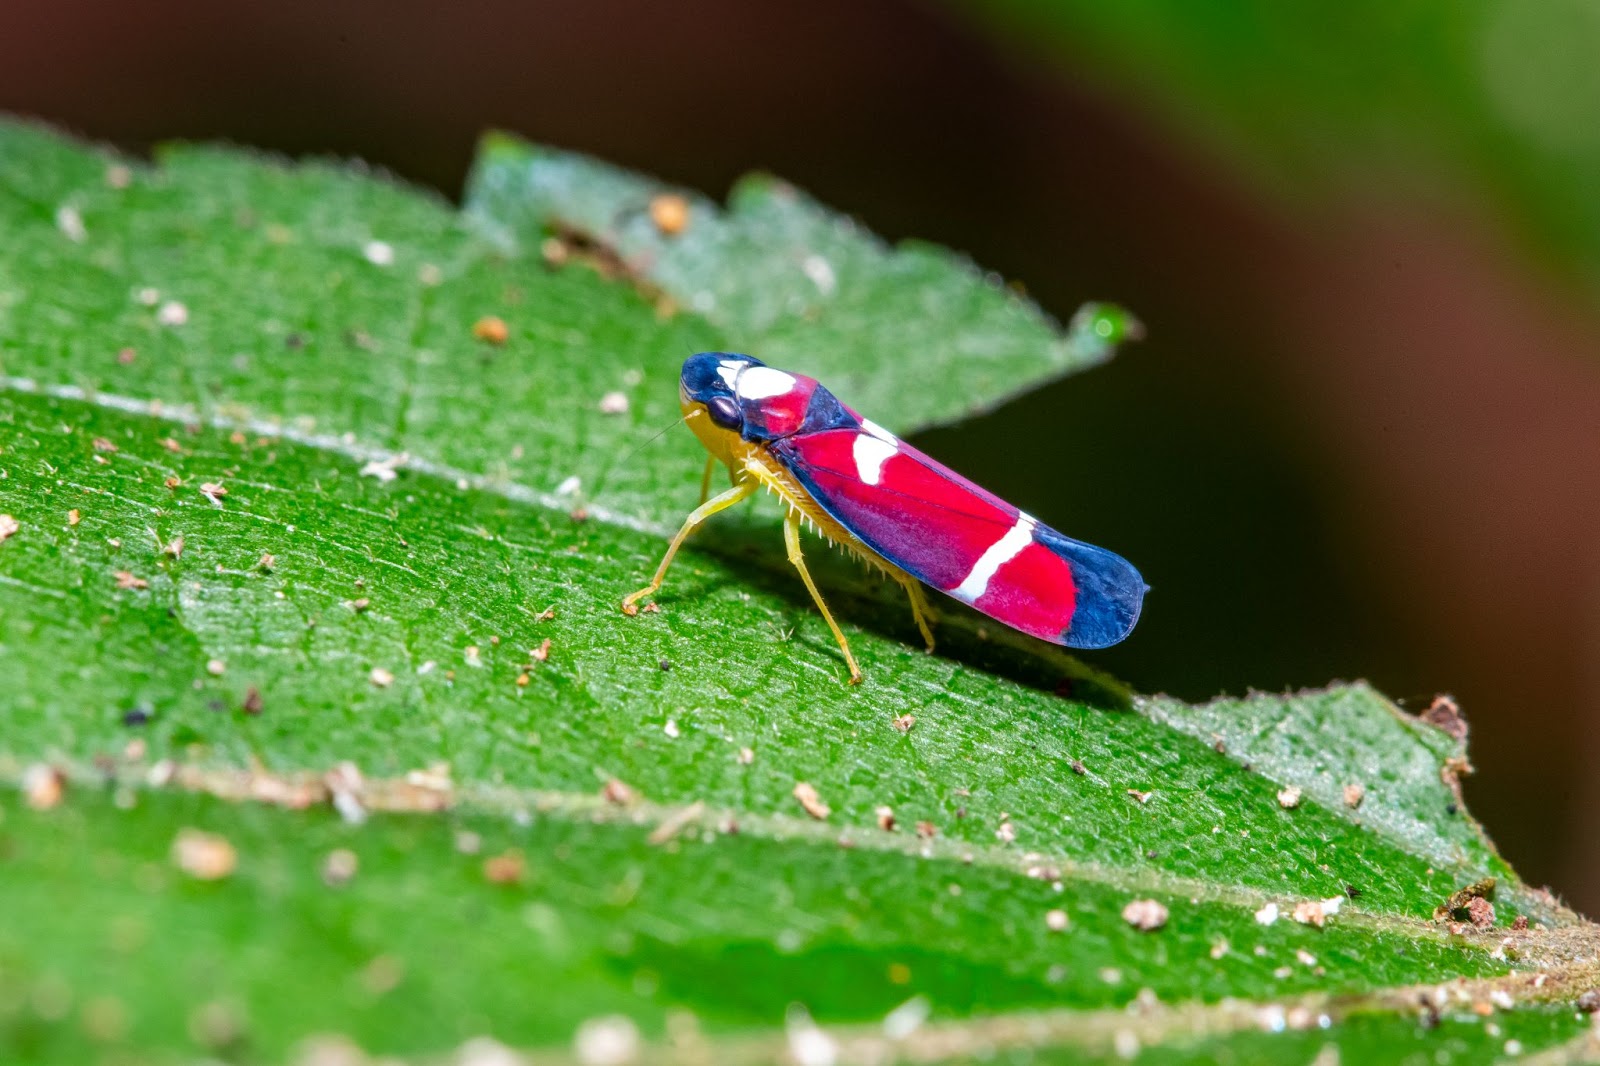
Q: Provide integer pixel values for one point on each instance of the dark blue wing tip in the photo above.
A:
(1110, 593)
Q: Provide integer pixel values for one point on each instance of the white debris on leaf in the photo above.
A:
(1145, 914)
(383, 469)
(1267, 915)
(907, 1018)
(820, 271)
(808, 1045)
(8, 527)
(172, 313)
(486, 1051)
(614, 403)
(379, 253)
(612, 1040)
(570, 486)
(1289, 798)
(70, 222)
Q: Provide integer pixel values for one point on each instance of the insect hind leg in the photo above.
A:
(920, 610)
(791, 540)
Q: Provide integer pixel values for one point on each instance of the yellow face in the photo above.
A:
(721, 443)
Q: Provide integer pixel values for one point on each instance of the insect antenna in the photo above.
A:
(657, 435)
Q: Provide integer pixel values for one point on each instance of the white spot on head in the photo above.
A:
(728, 370)
(763, 383)
(870, 455)
(999, 553)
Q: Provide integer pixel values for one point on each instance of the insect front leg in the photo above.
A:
(690, 524)
(791, 540)
(705, 479)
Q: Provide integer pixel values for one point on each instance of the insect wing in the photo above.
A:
(962, 539)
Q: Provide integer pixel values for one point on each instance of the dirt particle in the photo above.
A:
(171, 445)
(74, 516)
(1520, 923)
(204, 856)
(359, 604)
(1589, 1002)
(1078, 768)
(1459, 905)
(1289, 798)
(340, 867)
(1145, 915)
(927, 830)
(507, 868)
(1480, 912)
(42, 786)
(380, 677)
(213, 491)
(1354, 793)
(266, 562)
(172, 482)
(542, 652)
(118, 176)
(1056, 920)
(650, 608)
(491, 329)
(125, 580)
(1444, 713)
(126, 356)
(523, 680)
(1007, 833)
(1142, 797)
(101, 444)
(252, 701)
(1316, 911)
(745, 757)
(904, 722)
(670, 213)
(885, 816)
(1267, 915)
(173, 548)
(807, 795)
(9, 527)
(614, 403)
(173, 313)
(136, 717)
(379, 253)
(618, 793)
(472, 656)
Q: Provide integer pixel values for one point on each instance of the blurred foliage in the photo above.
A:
(1487, 104)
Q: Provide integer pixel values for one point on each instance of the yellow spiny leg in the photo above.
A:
(919, 606)
(697, 516)
(705, 479)
(791, 540)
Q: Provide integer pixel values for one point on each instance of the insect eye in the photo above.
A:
(724, 412)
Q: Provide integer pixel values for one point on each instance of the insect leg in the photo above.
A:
(697, 516)
(791, 540)
(919, 608)
(705, 479)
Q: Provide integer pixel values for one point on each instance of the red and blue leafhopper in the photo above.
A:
(894, 507)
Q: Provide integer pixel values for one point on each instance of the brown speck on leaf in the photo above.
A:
(1145, 915)
(42, 786)
(9, 527)
(340, 867)
(171, 445)
(542, 652)
(904, 722)
(380, 677)
(266, 561)
(651, 608)
(554, 250)
(359, 604)
(1520, 923)
(1444, 713)
(1480, 912)
(545, 615)
(746, 756)
(491, 330)
(1454, 769)
(927, 830)
(204, 856)
(101, 444)
(1056, 920)
(1078, 767)
(670, 213)
(1354, 793)
(676, 822)
(614, 403)
(618, 793)
(252, 701)
(506, 868)
(172, 482)
(174, 547)
(1289, 798)
(1007, 833)
(125, 580)
(74, 516)
(1589, 1002)
(126, 356)
(1315, 911)
(885, 817)
(523, 680)
(807, 795)
(213, 491)
(1142, 797)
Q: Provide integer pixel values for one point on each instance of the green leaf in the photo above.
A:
(394, 577)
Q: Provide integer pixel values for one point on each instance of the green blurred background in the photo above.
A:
(1363, 437)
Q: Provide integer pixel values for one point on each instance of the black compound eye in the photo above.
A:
(724, 412)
